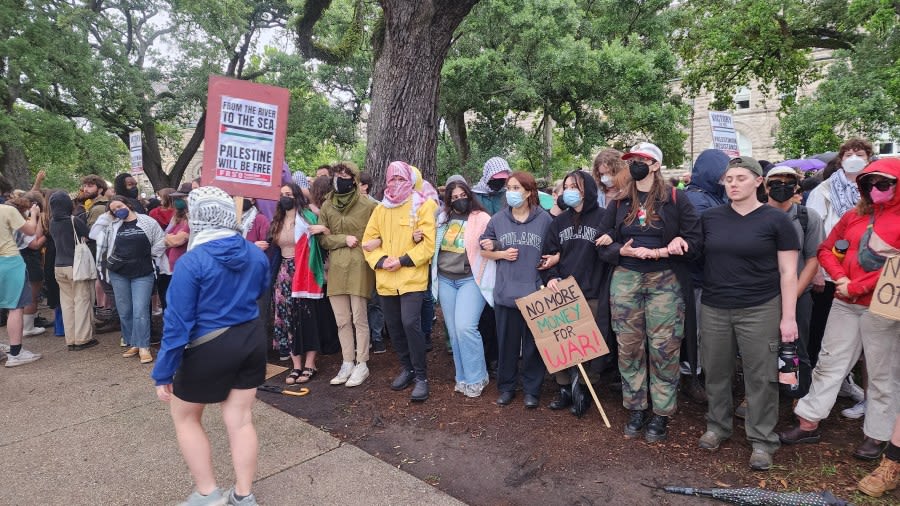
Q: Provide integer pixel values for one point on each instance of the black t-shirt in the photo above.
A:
(741, 255)
(133, 246)
(650, 235)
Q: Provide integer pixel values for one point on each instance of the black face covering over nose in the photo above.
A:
(286, 203)
(639, 170)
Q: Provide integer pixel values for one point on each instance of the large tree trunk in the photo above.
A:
(14, 166)
(403, 121)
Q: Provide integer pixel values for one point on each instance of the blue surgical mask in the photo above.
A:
(121, 213)
(572, 197)
(514, 199)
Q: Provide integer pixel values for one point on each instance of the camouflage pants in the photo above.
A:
(647, 311)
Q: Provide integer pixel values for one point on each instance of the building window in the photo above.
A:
(886, 148)
(742, 98)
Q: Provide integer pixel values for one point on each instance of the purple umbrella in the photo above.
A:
(804, 164)
(760, 497)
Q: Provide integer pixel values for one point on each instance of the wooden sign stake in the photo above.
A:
(239, 209)
(593, 394)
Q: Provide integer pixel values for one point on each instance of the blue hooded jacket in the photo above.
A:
(705, 191)
(216, 285)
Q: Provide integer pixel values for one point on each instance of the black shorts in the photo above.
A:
(234, 360)
(34, 264)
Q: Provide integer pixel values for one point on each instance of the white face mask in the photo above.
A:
(853, 164)
(607, 180)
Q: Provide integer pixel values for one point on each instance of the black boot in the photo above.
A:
(657, 429)
(635, 424)
(580, 401)
(563, 400)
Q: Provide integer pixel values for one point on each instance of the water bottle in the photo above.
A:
(58, 328)
(788, 368)
(840, 248)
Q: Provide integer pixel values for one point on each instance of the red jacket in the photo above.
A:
(851, 227)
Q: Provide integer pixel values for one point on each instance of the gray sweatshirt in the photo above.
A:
(519, 278)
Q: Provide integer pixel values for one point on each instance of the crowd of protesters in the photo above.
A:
(689, 284)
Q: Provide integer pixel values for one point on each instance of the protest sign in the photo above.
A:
(137, 155)
(723, 133)
(246, 124)
(886, 298)
(563, 326)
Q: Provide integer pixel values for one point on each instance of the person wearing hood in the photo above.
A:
(571, 235)
(75, 297)
(126, 186)
(401, 266)
(213, 347)
(871, 234)
(491, 189)
(706, 189)
(651, 236)
(130, 247)
(345, 214)
(514, 239)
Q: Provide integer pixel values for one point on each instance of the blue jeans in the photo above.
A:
(462, 302)
(133, 305)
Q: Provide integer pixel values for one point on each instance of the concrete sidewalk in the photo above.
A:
(86, 428)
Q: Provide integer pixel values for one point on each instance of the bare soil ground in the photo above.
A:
(484, 454)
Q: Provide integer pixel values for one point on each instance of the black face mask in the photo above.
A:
(496, 184)
(638, 170)
(286, 203)
(343, 186)
(781, 192)
(131, 192)
(247, 205)
(461, 206)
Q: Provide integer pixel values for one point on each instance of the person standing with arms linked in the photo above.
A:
(651, 236)
(401, 268)
(514, 237)
(749, 301)
(213, 348)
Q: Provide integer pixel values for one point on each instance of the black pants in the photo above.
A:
(162, 288)
(403, 318)
(513, 335)
(821, 307)
(487, 326)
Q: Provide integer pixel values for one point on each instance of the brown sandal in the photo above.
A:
(293, 376)
(307, 374)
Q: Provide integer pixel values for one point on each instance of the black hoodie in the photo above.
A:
(572, 235)
(131, 195)
(61, 228)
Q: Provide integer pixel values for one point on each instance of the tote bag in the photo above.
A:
(83, 266)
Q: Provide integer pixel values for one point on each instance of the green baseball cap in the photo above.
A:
(748, 163)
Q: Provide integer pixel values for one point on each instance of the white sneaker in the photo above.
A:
(343, 375)
(4, 347)
(33, 331)
(360, 373)
(856, 412)
(24, 357)
(852, 390)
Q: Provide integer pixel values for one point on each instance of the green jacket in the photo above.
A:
(348, 272)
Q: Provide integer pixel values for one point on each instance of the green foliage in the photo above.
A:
(600, 69)
(66, 152)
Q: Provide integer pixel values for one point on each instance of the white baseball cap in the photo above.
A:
(646, 150)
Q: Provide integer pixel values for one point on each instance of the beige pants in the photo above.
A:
(77, 300)
(351, 314)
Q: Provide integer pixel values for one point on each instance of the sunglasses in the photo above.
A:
(881, 184)
(777, 184)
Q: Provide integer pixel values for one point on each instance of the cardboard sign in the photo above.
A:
(723, 133)
(886, 298)
(563, 326)
(246, 125)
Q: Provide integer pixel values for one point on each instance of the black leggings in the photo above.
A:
(403, 318)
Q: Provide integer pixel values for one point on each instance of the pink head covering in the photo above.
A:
(396, 194)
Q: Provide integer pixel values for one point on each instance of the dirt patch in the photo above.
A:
(484, 454)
